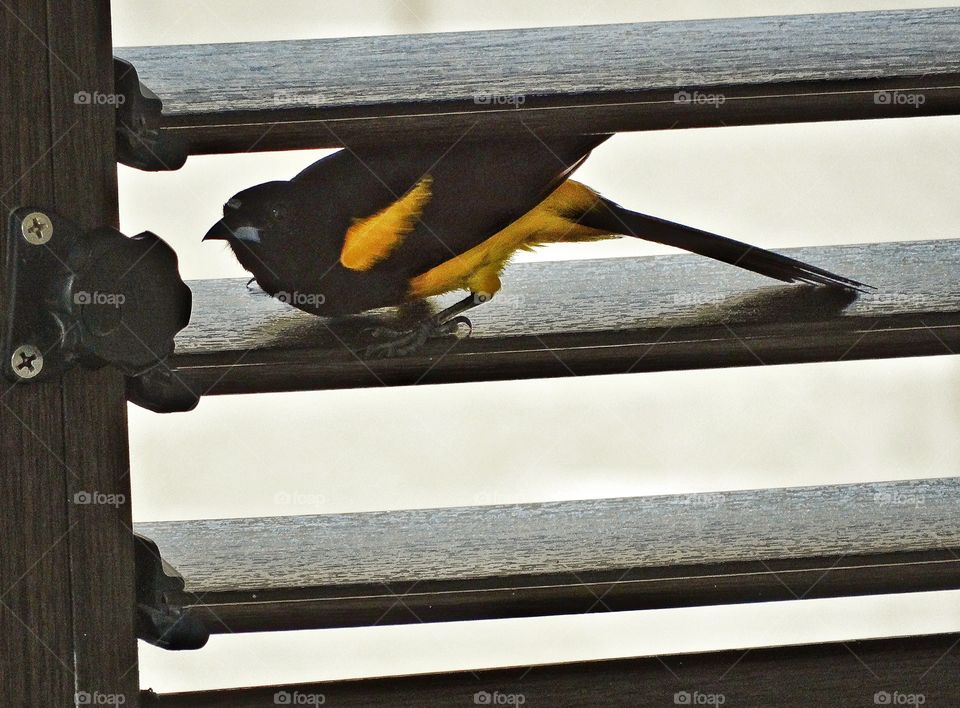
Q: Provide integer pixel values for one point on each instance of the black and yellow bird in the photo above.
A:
(368, 228)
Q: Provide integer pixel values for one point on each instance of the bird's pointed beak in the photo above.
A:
(218, 232)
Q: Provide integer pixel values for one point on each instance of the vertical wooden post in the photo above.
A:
(66, 577)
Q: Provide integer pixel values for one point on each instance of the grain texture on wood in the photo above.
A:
(34, 574)
(856, 673)
(94, 403)
(601, 78)
(66, 584)
(568, 557)
(607, 316)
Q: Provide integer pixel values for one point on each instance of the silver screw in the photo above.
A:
(37, 228)
(27, 361)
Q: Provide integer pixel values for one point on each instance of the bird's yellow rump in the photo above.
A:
(479, 268)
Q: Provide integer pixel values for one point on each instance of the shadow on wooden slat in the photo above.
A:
(777, 304)
(767, 305)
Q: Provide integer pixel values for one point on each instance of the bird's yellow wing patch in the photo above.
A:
(369, 240)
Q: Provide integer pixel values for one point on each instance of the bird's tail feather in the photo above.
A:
(611, 217)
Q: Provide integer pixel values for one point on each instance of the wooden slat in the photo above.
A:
(562, 558)
(606, 78)
(66, 576)
(857, 673)
(593, 317)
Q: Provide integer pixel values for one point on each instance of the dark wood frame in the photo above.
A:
(66, 596)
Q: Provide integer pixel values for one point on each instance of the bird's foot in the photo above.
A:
(407, 342)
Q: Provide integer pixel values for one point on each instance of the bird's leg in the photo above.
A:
(404, 343)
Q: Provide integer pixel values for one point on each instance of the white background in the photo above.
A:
(528, 441)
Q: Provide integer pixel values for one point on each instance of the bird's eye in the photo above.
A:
(276, 213)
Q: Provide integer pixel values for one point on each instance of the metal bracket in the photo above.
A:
(159, 622)
(140, 141)
(161, 391)
(89, 298)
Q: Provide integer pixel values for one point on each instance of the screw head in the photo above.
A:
(37, 229)
(27, 361)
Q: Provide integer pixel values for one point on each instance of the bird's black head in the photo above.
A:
(290, 238)
(249, 215)
(253, 221)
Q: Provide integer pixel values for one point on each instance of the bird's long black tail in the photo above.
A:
(611, 217)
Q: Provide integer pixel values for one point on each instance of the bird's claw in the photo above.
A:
(453, 325)
(405, 343)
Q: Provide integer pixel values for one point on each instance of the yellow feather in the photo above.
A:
(479, 268)
(369, 240)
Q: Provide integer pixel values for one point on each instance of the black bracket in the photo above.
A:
(160, 622)
(89, 298)
(140, 141)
